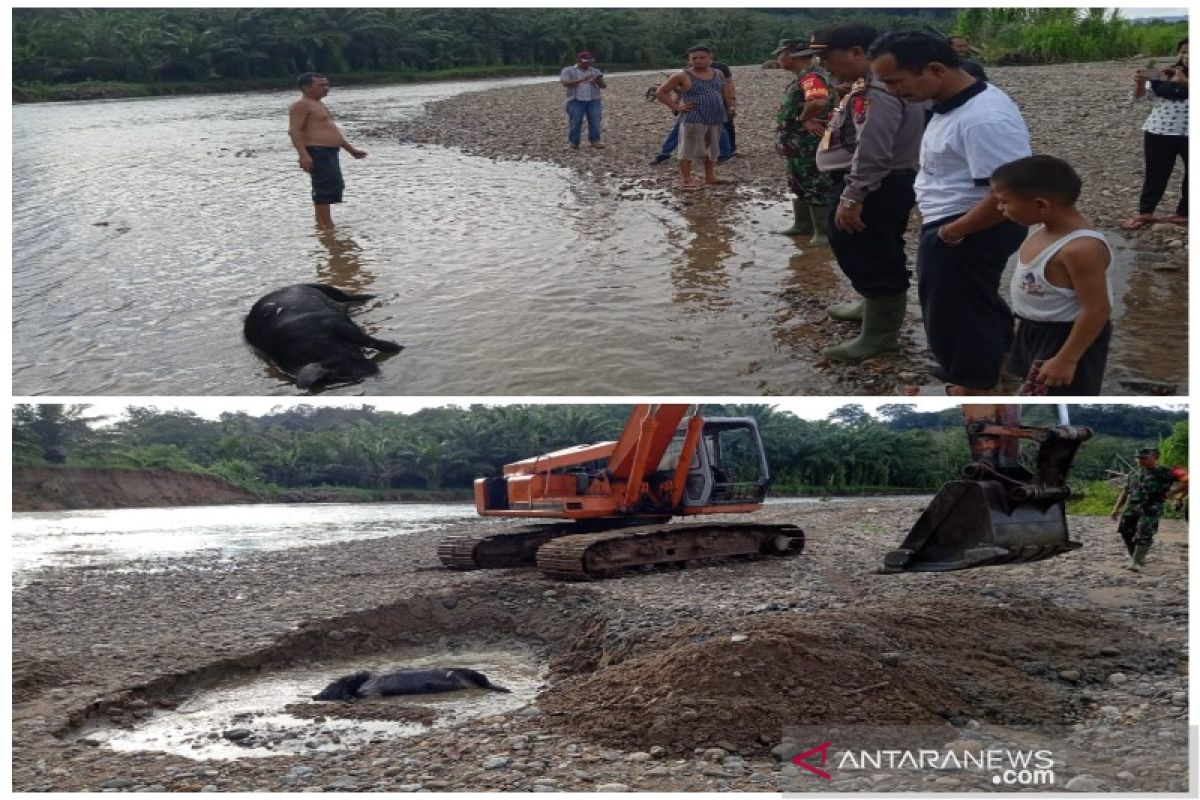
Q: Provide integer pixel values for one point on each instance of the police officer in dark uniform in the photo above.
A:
(870, 153)
(1142, 498)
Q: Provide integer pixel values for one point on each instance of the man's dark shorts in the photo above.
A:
(326, 174)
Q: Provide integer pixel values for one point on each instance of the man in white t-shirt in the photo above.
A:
(583, 83)
(965, 241)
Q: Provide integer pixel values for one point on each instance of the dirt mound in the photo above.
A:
(910, 665)
(46, 489)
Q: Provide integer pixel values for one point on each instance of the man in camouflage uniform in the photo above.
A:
(1142, 498)
(800, 124)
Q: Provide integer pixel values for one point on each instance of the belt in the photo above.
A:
(840, 174)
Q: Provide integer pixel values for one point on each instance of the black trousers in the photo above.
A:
(732, 131)
(1038, 341)
(874, 259)
(967, 323)
(1161, 152)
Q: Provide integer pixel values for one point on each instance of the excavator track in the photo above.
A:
(605, 554)
(518, 547)
(510, 548)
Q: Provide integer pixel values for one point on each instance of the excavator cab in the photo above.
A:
(999, 511)
(728, 468)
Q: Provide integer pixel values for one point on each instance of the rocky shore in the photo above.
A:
(1081, 112)
(702, 679)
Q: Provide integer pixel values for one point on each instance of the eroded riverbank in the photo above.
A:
(668, 680)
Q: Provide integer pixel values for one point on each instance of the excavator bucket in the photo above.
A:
(998, 512)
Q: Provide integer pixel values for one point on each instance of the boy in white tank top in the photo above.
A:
(1061, 290)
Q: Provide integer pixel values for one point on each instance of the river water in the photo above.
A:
(111, 537)
(143, 230)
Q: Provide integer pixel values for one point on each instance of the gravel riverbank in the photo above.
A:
(1080, 112)
(698, 679)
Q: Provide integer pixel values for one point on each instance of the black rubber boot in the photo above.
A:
(882, 319)
(802, 224)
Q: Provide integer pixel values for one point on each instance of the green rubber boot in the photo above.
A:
(882, 320)
(802, 224)
(847, 312)
(1138, 559)
(820, 225)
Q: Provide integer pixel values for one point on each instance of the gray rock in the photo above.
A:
(612, 787)
(497, 762)
(300, 772)
(237, 734)
(636, 757)
(409, 787)
(890, 659)
(1118, 678)
(786, 751)
(116, 783)
(1110, 651)
(1070, 675)
(1083, 783)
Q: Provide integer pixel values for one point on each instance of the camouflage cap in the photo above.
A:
(791, 46)
(1147, 451)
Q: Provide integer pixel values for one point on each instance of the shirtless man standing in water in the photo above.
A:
(317, 139)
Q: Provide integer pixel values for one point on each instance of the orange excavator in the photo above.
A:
(614, 501)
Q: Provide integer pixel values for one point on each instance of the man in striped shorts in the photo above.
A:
(705, 103)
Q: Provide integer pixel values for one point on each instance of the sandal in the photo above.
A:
(1137, 223)
(691, 187)
(1177, 219)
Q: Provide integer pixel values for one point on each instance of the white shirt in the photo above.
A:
(1035, 298)
(1167, 117)
(964, 142)
(584, 91)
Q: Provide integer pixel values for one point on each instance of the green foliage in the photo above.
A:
(1055, 35)
(1173, 450)
(1093, 499)
(174, 45)
(304, 447)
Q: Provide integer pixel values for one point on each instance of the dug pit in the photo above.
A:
(272, 714)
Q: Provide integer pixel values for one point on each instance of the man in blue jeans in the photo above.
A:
(583, 83)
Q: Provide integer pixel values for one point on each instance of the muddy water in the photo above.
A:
(94, 538)
(261, 707)
(144, 230)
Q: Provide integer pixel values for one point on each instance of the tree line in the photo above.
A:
(194, 44)
(447, 448)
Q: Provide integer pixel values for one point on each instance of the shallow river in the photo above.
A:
(143, 230)
(111, 537)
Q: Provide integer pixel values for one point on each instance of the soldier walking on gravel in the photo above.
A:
(1143, 496)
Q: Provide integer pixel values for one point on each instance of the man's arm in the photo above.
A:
(349, 148)
(297, 116)
(672, 85)
(875, 155)
(599, 80)
(988, 145)
(729, 96)
(1121, 498)
(872, 159)
(1085, 261)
